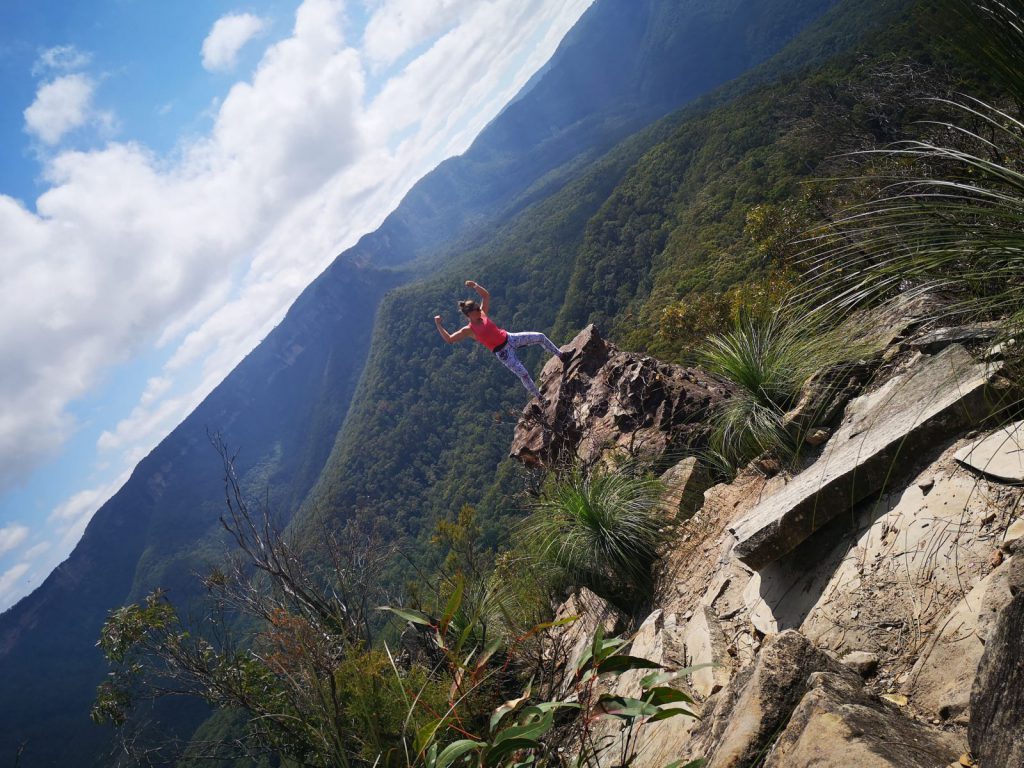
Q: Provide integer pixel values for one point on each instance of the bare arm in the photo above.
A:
(485, 297)
(451, 338)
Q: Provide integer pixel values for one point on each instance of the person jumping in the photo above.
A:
(499, 341)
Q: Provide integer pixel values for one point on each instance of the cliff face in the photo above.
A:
(858, 610)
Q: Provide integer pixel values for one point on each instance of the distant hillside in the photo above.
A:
(668, 203)
(626, 63)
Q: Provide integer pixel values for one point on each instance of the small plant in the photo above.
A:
(601, 528)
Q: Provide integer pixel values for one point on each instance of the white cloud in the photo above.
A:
(61, 58)
(9, 584)
(35, 551)
(60, 106)
(227, 37)
(12, 536)
(398, 26)
(127, 250)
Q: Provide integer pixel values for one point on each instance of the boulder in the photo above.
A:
(941, 681)
(940, 338)
(906, 417)
(999, 455)
(685, 484)
(655, 744)
(824, 397)
(705, 644)
(604, 400)
(864, 663)
(997, 696)
(756, 704)
(838, 724)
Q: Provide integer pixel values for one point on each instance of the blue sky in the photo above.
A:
(172, 176)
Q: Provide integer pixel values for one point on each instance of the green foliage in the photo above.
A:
(601, 529)
(947, 217)
(524, 731)
(768, 357)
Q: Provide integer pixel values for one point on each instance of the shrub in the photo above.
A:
(601, 528)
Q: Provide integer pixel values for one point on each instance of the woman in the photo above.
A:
(499, 341)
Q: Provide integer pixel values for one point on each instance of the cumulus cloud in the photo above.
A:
(227, 37)
(127, 250)
(60, 106)
(12, 536)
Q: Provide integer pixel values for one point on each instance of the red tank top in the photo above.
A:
(487, 333)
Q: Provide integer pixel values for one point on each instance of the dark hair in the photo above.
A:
(468, 306)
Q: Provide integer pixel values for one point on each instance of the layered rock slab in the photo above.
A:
(909, 415)
(999, 455)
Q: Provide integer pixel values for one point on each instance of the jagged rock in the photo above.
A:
(1014, 533)
(997, 697)
(685, 484)
(606, 400)
(838, 724)
(998, 455)
(824, 397)
(756, 704)
(908, 415)
(863, 663)
(941, 681)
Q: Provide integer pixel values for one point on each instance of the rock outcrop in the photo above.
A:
(604, 401)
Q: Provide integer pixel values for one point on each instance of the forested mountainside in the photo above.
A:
(284, 407)
(662, 218)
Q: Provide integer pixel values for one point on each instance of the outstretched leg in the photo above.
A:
(508, 358)
(528, 338)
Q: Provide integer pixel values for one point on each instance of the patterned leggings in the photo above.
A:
(507, 355)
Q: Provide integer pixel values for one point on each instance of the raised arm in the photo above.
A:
(451, 338)
(485, 297)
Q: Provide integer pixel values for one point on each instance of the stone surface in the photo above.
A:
(685, 484)
(755, 706)
(999, 455)
(941, 681)
(837, 724)
(1014, 532)
(824, 397)
(605, 401)
(909, 414)
(567, 644)
(934, 341)
(997, 697)
(705, 643)
(658, 639)
(864, 663)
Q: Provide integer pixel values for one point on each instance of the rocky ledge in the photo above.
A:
(604, 400)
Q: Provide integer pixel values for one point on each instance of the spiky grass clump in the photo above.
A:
(602, 529)
(951, 218)
(768, 357)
